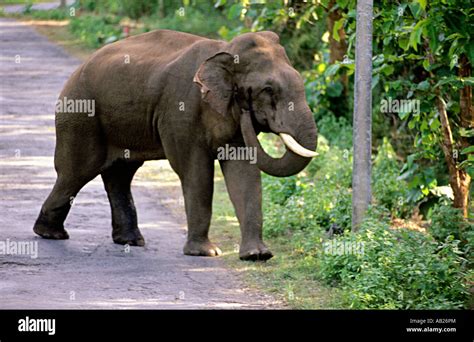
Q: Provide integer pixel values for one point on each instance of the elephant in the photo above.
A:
(177, 96)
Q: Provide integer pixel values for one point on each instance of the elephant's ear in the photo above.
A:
(214, 76)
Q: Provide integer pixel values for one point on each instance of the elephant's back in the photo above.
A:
(158, 45)
(154, 42)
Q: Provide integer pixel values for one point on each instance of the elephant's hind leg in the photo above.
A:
(79, 157)
(117, 181)
(50, 222)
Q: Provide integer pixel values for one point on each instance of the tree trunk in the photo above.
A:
(467, 122)
(337, 51)
(362, 121)
(458, 178)
(161, 8)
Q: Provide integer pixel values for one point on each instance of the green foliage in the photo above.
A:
(388, 189)
(194, 20)
(338, 131)
(320, 198)
(280, 189)
(102, 22)
(54, 14)
(95, 30)
(325, 88)
(445, 221)
(418, 49)
(135, 8)
(127, 8)
(448, 223)
(397, 270)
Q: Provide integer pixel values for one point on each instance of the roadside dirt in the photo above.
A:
(88, 270)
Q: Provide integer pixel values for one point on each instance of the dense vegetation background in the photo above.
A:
(418, 234)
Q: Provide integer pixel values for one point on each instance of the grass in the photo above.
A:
(285, 276)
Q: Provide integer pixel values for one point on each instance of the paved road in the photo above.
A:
(87, 271)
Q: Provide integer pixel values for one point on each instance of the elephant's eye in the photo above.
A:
(268, 90)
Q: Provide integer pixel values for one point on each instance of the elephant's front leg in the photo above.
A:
(245, 190)
(197, 179)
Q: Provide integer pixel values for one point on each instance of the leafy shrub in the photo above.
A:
(448, 221)
(95, 30)
(193, 21)
(130, 8)
(319, 198)
(54, 14)
(333, 165)
(103, 24)
(279, 189)
(399, 269)
(338, 131)
(389, 191)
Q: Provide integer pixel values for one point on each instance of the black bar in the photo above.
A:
(212, 325)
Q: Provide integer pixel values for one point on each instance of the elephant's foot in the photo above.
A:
(48, 232)
(129, 237)
(201, 248)
(254, 251)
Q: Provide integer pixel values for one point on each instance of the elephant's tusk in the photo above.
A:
(293, 145)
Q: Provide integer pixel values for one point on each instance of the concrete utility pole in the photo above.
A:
(362, 124)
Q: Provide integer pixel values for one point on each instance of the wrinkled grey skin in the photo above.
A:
(179, 97)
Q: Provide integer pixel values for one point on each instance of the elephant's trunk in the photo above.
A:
(290, 163)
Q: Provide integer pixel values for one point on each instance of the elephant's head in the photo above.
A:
(254, 75)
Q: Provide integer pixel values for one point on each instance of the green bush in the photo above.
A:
(319, 198)
(131, 8)
(448, 221)
(279, 189)
(338, 131)
(194, 21)
(100, 24)
(388, 190)
(54, 14)
(333, 165)
(399, 269)
(95, 30)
